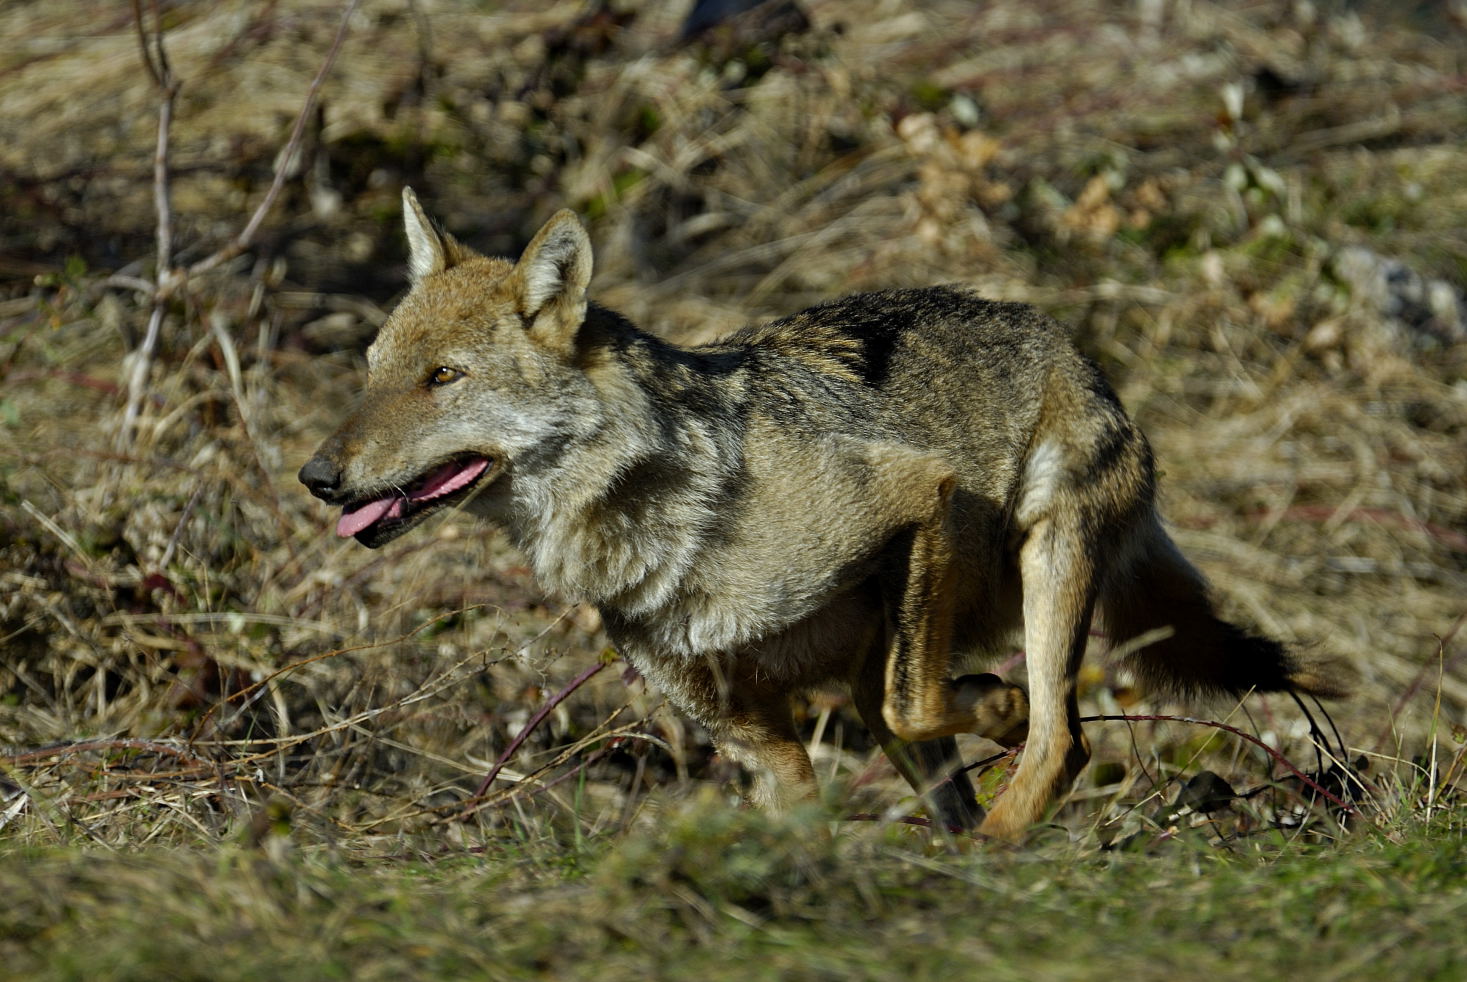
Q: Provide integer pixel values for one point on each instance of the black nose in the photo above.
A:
(322, 476)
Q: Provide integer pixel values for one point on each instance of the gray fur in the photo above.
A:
(851, 495)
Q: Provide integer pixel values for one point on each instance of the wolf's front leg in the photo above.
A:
(750, 721)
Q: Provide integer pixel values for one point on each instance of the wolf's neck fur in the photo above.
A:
(618, 517)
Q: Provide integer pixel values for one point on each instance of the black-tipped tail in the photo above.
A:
(1159, 605)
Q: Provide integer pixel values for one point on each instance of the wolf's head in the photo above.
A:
(473, 375)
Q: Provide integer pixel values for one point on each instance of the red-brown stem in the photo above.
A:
(1280, 758)
(83, 746)
(529, 728)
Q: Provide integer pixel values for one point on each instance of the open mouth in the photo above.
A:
(379, 519)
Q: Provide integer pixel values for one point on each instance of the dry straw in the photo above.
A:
(182, 639)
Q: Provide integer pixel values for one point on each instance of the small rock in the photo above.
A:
(1415, 311)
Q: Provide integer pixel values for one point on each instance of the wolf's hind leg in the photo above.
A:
(1059, 581)
(921, 700)
(932, 767)
(998, 710)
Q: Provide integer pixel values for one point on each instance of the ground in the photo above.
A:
(232, 746)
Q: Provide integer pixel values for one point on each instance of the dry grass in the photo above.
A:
(190, 657)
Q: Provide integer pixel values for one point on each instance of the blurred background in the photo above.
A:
(1253, 214)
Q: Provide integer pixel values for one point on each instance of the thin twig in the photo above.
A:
(147, 56)
(170, 279)
(142, 360)
(529, 728)
(134, 283)
(1278, 757)
(84, 746)
(282, 163)
(162, 188)
(158, 67)
(188, 511)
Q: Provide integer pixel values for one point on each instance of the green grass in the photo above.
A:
(712, 893)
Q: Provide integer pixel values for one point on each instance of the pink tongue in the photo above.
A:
(357, 519)
(448, 479)
(445, 480)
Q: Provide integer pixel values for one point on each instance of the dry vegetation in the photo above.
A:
(1252, 213)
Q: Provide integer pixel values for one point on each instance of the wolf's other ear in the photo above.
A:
(429, 250)
(551, 279)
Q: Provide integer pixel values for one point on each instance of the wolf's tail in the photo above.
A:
(1156, 603)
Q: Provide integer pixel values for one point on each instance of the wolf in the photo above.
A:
(870, 493)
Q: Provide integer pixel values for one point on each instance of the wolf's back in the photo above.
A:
(939, 368)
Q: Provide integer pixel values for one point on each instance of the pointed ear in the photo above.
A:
(551, 279)
(429, 250)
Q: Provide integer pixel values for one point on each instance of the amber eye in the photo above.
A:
(442, 375)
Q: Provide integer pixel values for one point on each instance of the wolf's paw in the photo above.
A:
(998, 710)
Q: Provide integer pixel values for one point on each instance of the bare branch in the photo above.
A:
(137, 374)
(160, 56)
(137, 19)
(282, 165)
(169, 278)
(162, 187)
(137, 284)
(156, 62)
